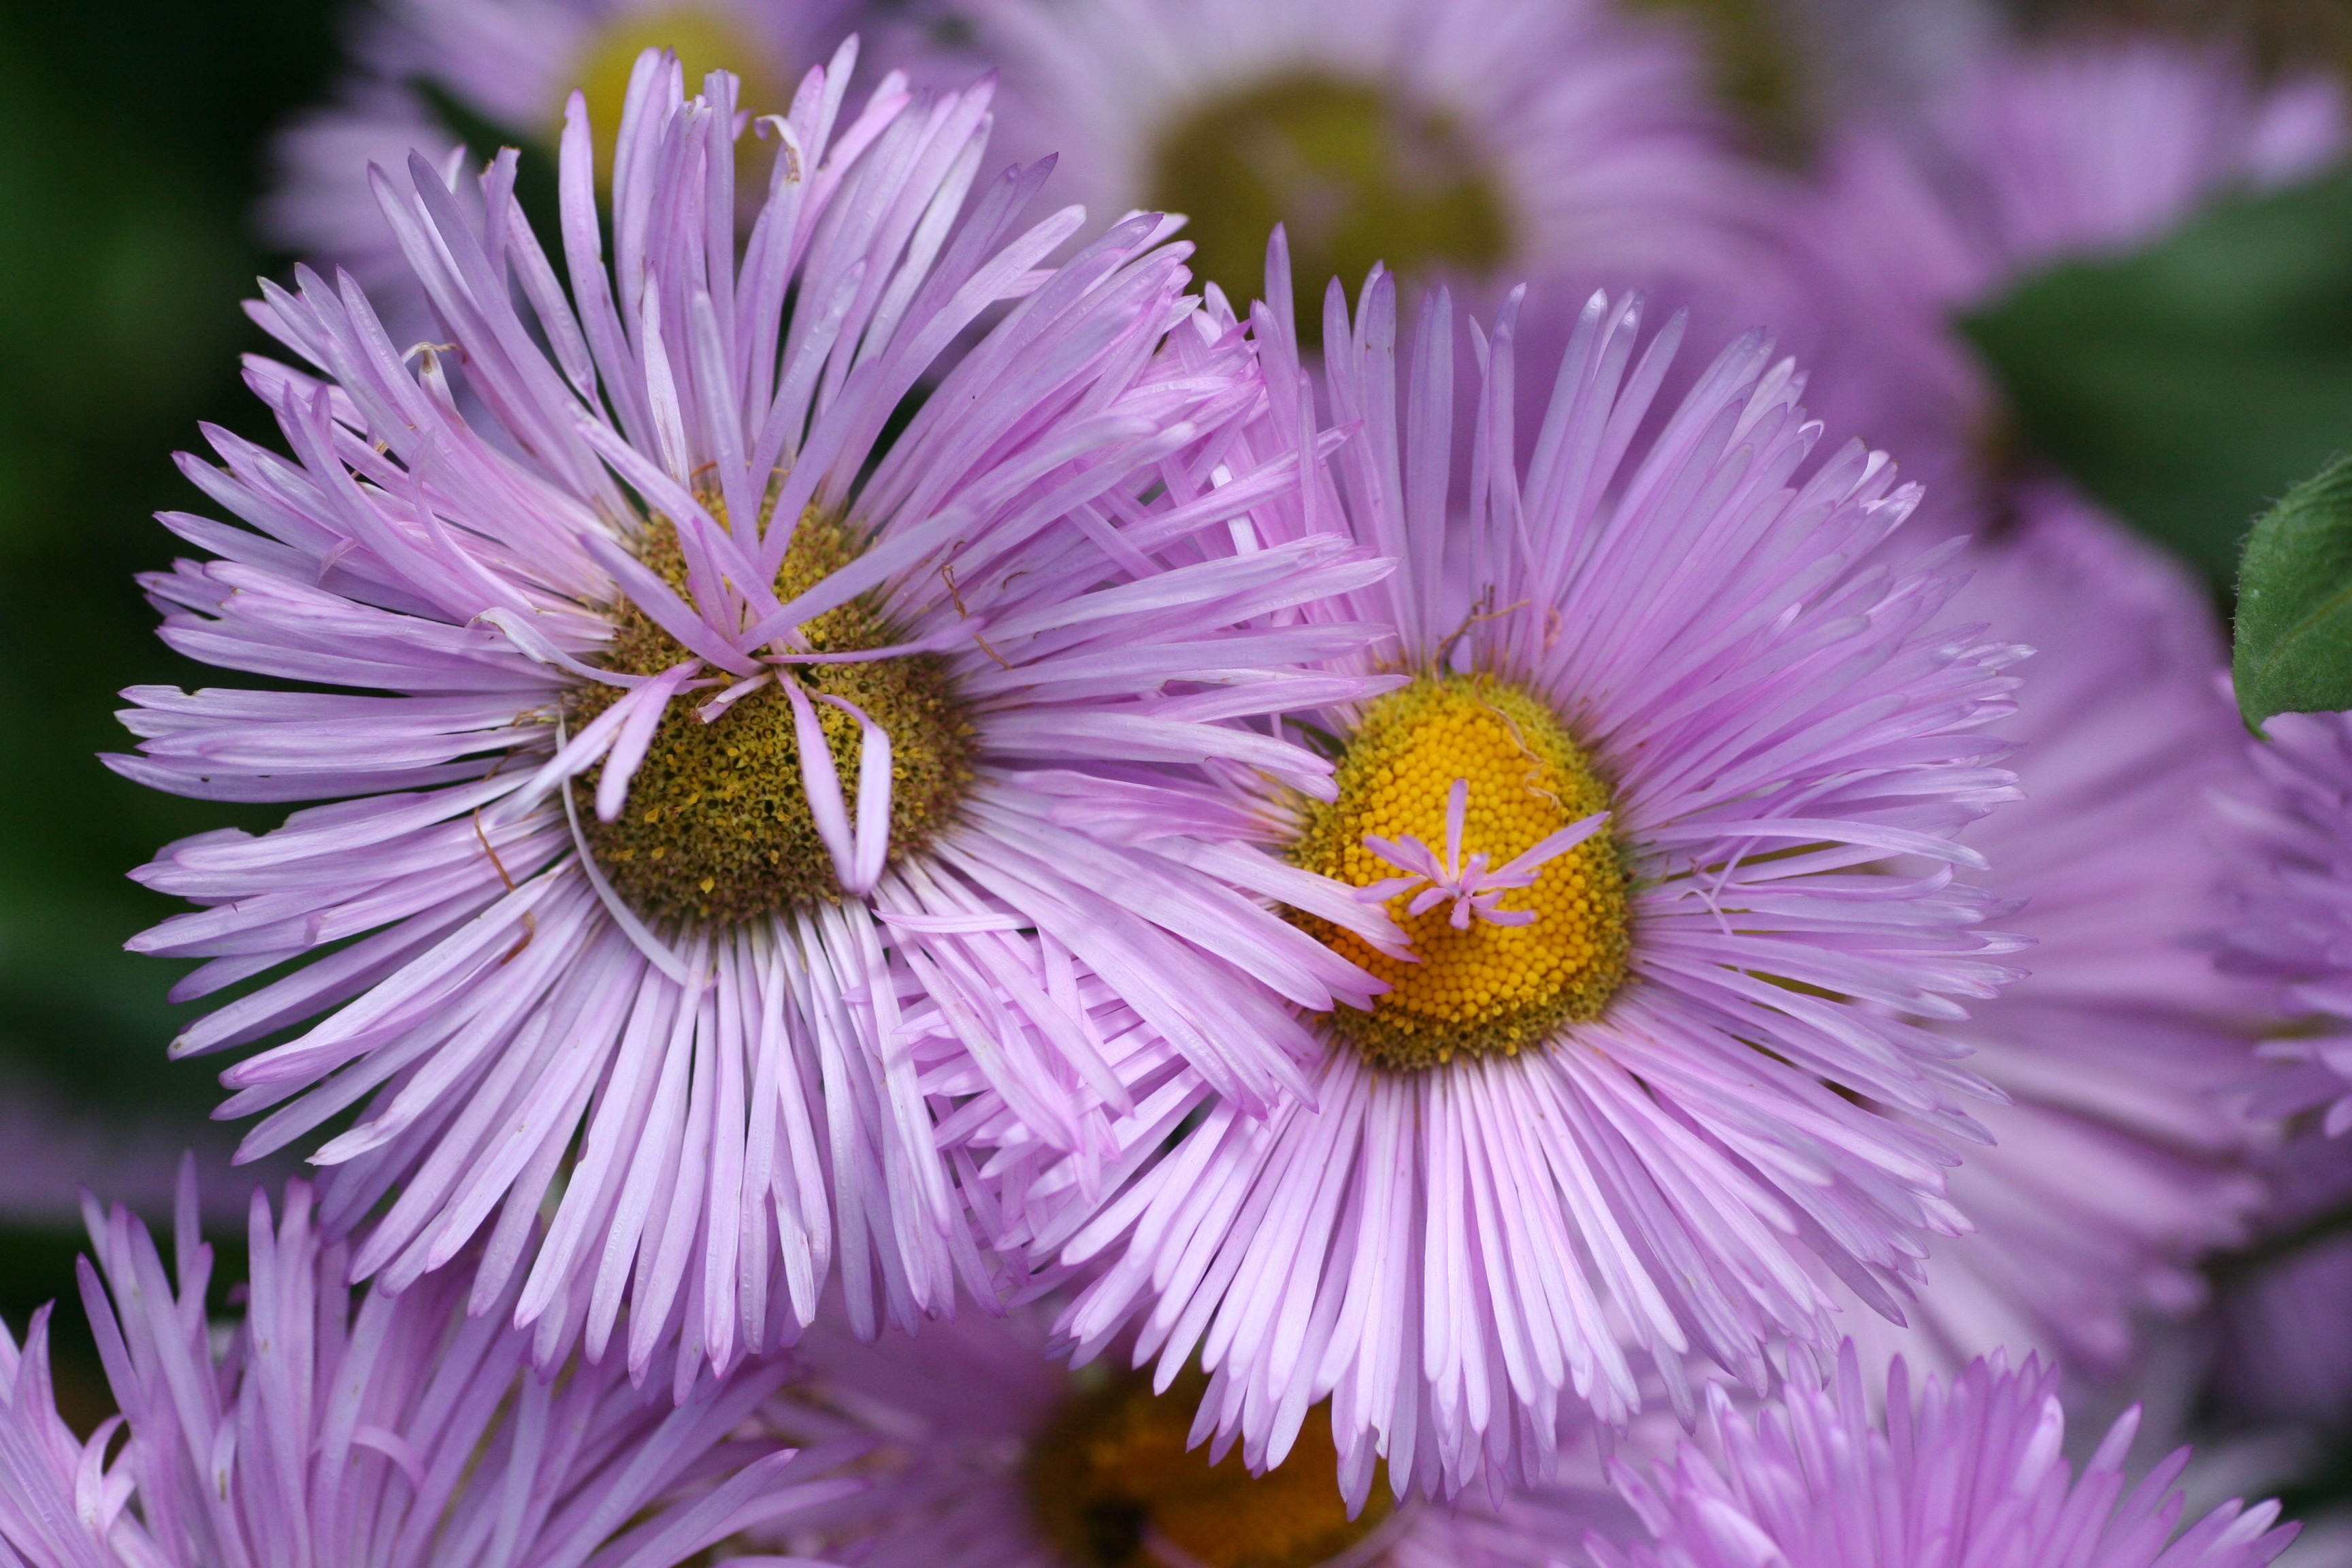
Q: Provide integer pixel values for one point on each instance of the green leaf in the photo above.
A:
(2293, 651)
(2185, 386)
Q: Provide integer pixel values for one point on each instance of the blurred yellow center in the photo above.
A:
(1357, 172)
(1112, 1479)
(704, 37)
(1487, 989)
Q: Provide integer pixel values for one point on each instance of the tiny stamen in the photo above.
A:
(1473, 889)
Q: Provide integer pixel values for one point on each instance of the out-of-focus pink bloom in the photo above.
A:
(1972, 1474)
(2288, 1352)
(376, 1431)
(507, 67)
(2119, 1157)
(973, 1427)
(1466, 1230)
(2296, 930)
(657, 587)
(1482, 142)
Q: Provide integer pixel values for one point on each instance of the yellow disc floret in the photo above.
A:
(1484, 988)
(1112, 1479)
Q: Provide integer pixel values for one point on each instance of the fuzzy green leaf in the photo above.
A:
(2293, 651)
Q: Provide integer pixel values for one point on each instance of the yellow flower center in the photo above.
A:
(718, 827)
(1357, 172)
(1758, 67)
(1111, 1477)
(1483, 988)
(704, 37)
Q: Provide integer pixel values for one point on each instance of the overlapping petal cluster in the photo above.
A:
(363, 1430)
(1455, 1253)
(581, 572)
(1974, 1473)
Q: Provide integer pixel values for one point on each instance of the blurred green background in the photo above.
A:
(2185, 387)
(131, 134)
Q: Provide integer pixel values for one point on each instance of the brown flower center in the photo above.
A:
(1111, 1481)
(718, 828)
(1357, 172)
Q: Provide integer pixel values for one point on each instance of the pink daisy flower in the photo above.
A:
(391, 1431)
(2118, 1159)
(986, 1454)
(429, 76)
(697, 757)
(1643, 1068)
(1483, 140)
(1972, 1474)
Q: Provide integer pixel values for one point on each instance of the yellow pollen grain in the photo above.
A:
(1111, 1473)
(1489, 989)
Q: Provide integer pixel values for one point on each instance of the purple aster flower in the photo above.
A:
(430, 74)
(2035, 155)
(1485, 141)
(1974, 1474)
(381, 1429)
(1637, 1124)
(2118, 1159)
(988, 1455)
(698, 798)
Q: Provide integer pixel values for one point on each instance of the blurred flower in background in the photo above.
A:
(457, 79)
(991, 1455)
(1481, 143)
(2119, 1161)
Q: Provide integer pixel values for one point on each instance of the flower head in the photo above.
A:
(1483, 140)
(1973, 1474)
(1634, 1125)
(697, 801)
(394, 1431)
(2118, 1157)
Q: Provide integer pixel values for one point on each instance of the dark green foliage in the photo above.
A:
(2189, 384)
